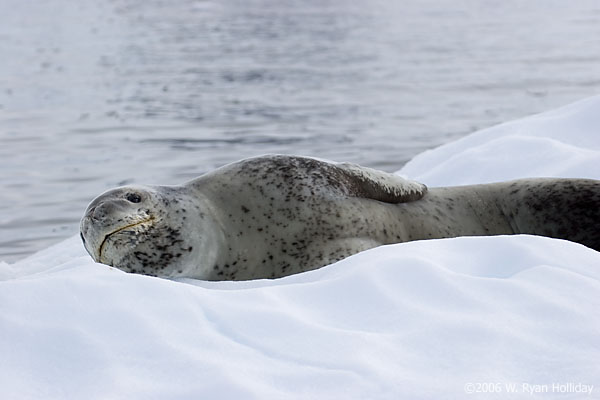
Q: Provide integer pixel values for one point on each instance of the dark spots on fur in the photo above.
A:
(537, 206)
(309, 214)
(561, 208)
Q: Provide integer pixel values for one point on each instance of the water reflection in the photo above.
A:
(98, 94)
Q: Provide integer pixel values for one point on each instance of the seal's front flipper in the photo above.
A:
(378, 185)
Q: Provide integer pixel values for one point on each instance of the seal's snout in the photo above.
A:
(90, 212)
(106, 209)
(88, 235)
(118, 215)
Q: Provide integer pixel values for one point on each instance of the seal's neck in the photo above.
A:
(206, 236)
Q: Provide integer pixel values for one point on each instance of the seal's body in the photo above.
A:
(273, 216)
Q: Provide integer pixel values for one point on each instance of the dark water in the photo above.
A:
(101, 93)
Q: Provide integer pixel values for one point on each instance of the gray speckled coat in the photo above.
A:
(272, 216)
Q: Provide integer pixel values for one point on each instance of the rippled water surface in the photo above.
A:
(101, 93)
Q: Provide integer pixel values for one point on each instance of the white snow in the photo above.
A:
(421, 320)
(561, 143)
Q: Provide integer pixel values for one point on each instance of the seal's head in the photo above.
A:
(144, 229)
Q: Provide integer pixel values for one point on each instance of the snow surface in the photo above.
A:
(419, 320)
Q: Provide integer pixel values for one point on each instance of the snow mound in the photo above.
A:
(563, 143)
(421, 320)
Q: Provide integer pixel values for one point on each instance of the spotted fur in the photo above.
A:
(273, 216)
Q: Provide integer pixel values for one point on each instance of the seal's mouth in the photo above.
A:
(117, 231)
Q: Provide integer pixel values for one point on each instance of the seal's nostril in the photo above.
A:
(82, 238)
(92, 215)
(102, 210)
(91, 211)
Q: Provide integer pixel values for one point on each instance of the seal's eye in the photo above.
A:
(133, 197)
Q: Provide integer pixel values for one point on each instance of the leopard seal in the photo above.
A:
(276, 215)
